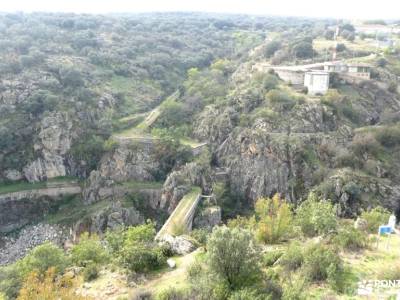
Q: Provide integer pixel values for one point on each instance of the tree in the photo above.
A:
(233, 256)
(274, 219)
(88, 250)
(316, 216)
(271, 48)
(303, 50)
(44, 257)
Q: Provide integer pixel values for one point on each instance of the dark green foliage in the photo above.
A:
(350, 238)
(393, 87)
(381, 62)
(91, 272)
(303, 50)
(200, 235)
(88, 251)
(316, 216)
(171, 293)
(389, 136)
(324, 263)
(293, 257)
(270, 258)
(135, 249)
(375, 217)
(239, 266)
(169, 152)
(340, 47)
(271, 48)
(39, 259)
(90, 150)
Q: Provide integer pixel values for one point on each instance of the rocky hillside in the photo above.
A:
(76, 94)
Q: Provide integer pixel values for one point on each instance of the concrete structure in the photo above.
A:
(293, 76)
(317, 82)
(316, 76)
(358, 70)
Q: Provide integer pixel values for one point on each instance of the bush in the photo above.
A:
(245, 294)
(271, 257)
(171, 293)
(271, 48)
(280, 98)
(38, 260)
(274, 219)
(200, 235)
(381, 62)
(365, 144)
(293, 257)
(350, 238)
(303, 50)
(91, 272)
(89, 250)
(135, 249)
(375, 217)
(322, 263)
(238, 266)
(389, 137)
(392, 87)
(315, 216)
(49, 286)
(295, 290)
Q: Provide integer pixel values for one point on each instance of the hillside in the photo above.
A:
(109, 125)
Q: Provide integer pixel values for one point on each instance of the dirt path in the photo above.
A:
(175, 277)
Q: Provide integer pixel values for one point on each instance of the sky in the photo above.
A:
(350, 9)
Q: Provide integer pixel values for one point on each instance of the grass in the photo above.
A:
(73, 209)
(21, 186)
(177, 218)
(142, 184)
(357, 45)
(6, 188)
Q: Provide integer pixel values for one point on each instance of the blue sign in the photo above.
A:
(385, 230)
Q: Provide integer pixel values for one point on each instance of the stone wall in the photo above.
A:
(20, 208)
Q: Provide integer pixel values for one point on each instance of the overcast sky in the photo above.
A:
(353, 9)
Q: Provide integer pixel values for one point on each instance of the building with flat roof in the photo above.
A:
(317, 82)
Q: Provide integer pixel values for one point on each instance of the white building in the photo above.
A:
(317, 82)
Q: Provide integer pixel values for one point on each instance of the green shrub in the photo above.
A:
(367, 143)
(245, 294)
(389, 272)
(322, 263)
(135, 249)
(39, 259)
(375, 217)
(280, 99)
(389, 136)
(315, 216)
(171, 293)
(89, 250)
(295, 290)
(200, 235)
(351, 238)
(90, 272)
(293, 257)
(233, 256)
(274, 219)
(271, 257)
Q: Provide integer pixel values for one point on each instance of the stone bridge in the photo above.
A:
(181, 219)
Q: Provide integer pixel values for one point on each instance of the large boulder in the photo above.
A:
(179, 244)
(52, 144)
